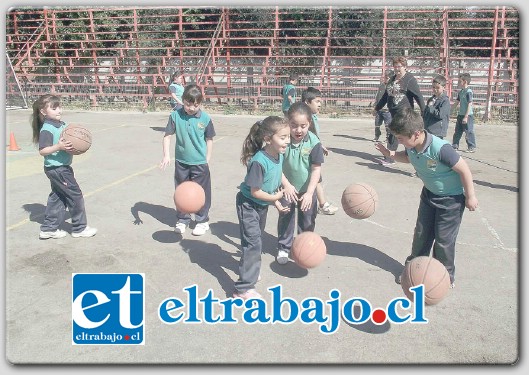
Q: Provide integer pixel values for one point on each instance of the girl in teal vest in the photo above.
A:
(262, 154)
(65, 192)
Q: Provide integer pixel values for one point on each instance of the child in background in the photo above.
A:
(301, 170)
(448, 188)
(289, 93)
(176, 89)
(194, 143)
(65, 192)
(465, 117)
(312, 97)
(437, 111)
(261, 187)
(382, 115)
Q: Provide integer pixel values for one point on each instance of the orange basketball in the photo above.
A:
(189, 197)
(308, 250)
(429, 272)
(359, 201)
(80, 137)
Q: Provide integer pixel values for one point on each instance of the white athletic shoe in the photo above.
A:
(57, 234)
(282, 257)
(87, 232)
(200, 229)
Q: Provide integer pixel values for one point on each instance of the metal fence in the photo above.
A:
(124, 56)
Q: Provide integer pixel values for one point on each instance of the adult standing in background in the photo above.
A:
(402, 91)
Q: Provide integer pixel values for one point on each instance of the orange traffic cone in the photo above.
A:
(13, 143)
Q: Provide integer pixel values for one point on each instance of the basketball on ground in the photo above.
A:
(359, 200)
(431, 273)
(79, 136)
(308, 250)
(189, 197)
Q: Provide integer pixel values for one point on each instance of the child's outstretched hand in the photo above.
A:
(290, 193)
(279, 194)
(325, 151)
(380, 147)
(306, 202)
(280, 207)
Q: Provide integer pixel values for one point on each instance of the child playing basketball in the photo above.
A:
(301, 169)
(448, 187)
(312, 97)
(65, 192)
(260, 189)
(194, 143)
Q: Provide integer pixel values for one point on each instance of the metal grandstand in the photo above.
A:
(115, 57)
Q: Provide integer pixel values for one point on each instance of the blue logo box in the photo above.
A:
(108, 308)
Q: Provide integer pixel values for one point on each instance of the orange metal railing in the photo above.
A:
(125, 55)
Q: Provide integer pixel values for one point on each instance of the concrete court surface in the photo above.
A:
(129, 199)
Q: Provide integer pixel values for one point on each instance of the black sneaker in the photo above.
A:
(471, 150)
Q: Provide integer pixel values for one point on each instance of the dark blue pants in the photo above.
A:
(393, 142)
(65, 193)
(468, 128)
(199, 174)
(438, 222)
(380, 118)
(286, 223)
(252, 221)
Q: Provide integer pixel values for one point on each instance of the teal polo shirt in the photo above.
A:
(191, 133)
(264, 172)
(465, 97)
(299, 159)
(49, 135)
(288, 89)
(176, 89)
(434, 166)
(316, 125)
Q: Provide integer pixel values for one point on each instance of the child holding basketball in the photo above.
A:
(302, 171)
(194, 143)
(448, 187)
(260, 188)
(65, 192)
(312, 97)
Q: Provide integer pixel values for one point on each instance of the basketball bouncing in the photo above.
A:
(189, 197)
(431, 273)
(359, 200)
(308, 250)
